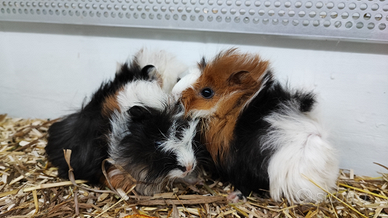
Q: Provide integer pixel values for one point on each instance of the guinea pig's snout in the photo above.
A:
(186, 169)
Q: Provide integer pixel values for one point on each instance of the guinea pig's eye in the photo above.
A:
(207, 93)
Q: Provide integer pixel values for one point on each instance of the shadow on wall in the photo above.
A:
(198, 36)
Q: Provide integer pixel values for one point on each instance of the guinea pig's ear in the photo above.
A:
(149, 71)
(238, 78)
(138, 112)
(202, 64)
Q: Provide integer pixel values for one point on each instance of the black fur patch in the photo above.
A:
(84, 132)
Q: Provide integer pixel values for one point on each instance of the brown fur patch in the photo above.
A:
(110, 104)
(118, 179)
(235, 78)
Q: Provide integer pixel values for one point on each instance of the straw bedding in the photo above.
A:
(29, 187)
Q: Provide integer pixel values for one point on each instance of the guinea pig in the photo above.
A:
(260, 134)
(134, 101)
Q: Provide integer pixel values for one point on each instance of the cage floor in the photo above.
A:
(29, 188)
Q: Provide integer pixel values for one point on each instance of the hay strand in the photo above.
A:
(29, 187)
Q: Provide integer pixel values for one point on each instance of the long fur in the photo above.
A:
(86, 132)
(273, 137)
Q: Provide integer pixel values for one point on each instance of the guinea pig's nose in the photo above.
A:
(186, 168)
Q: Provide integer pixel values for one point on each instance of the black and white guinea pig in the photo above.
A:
(129, 114)
(261, 135)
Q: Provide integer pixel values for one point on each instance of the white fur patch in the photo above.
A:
(301, 149)
(166, 64)
(140, 92)
(182, 148)
(186, 82)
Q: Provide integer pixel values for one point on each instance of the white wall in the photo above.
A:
(46, 70)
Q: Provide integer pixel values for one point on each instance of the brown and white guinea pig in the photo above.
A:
(131, 120)
(261, 135)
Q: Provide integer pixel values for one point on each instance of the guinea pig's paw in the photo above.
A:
(235, 196)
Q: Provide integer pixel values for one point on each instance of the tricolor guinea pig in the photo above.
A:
(261, 135)
(134, 122)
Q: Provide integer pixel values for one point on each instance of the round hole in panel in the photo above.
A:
(301, 13)
(312, 14)
(201, 17)
(363, 6)
(218, 18)
(316, 23)
(341, 5)
(147, 8)
(120, 14)
(333, 15)
(308, 4)
(191, 1)
(167, 16)
(330, 5)
(348, 24)
(323, 14)
(151, 16)
(352, 6)
(192, 17)
(237, 20)
(291, 13)
(210, 18)
(338, 24)
(233, 11)
(271, 13)
(355, 16)
(382, 26)
(281, 13)
(298, 4)
(277, 4)
(265, 21)
(252, 12)
(305, 22)
(136, 15)
(319, 5)
(359, 25)
(370, 26)
(345, 15)
(261, 12)
(215, 10)
(64, 12)
(385, 8)
(106, 14)
(256, 20)
(285, 22)
(155, 8)
(295, 22)
(242, 11)
(248, 3)
(257, 3)
(175, 16)
(246, 20)
(71, 13)
(229, 3)
(275, 21)
(32, 11)
(131, 7)
(287, 4)
(228, 19)
(267, 3)
(113, 14)
(367, 16)
(196, 9)
(375, 7)
(326, 23)
(210, 2)
(158, 16)
(378, 17)
(172, 9)
(238, 3)
(224, 10)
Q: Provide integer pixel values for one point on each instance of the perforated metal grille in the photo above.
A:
(345, 19)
